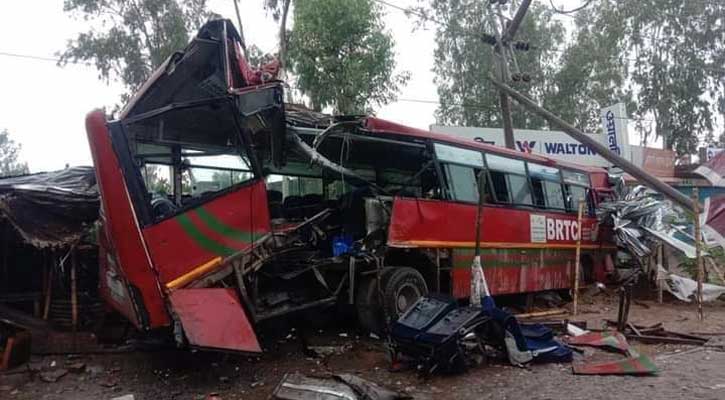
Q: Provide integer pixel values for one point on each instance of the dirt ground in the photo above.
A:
(686, 371)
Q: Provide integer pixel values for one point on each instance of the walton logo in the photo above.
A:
(526, 146)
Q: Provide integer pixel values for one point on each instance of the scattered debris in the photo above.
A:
(634, 364)
(76, 367)
(332, 387)
(17, 349)
(437, 335)
(607, 339)
(539, 314)
(685, 288)
(640, 365)
(53, 375)
(326, 351)
(658, 334)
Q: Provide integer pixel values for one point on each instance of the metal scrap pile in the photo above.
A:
(640, 217)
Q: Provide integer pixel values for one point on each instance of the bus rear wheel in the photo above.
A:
(401, 288)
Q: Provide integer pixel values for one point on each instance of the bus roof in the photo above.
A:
(378, 125)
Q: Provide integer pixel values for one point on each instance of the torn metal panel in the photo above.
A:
(685, 288)
(612, 340)
(712, 220)
(714, 170)
(335, 387)
(214, 319)
(640, 365)
(51, 208)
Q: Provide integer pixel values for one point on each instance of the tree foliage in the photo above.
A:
(343, 56)
(663, 58)
(463, 62)
(10, 163)
(130, 38)
(676, 68)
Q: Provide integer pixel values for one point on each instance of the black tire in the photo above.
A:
(367, 303)
(401, 289)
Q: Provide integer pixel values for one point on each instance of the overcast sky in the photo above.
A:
(43, 106)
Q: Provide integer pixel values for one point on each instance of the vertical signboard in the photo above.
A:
(614, 122)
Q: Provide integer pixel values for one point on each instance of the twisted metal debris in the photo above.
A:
(640, 217)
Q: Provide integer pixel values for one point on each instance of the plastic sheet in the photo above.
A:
(51, 208)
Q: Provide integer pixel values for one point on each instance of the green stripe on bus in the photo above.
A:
(204, 242)
(221, 228)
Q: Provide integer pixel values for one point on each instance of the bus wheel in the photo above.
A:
(367, 302)
(401, 289)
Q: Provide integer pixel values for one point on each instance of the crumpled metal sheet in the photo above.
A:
(640, 217)
(335, 387)
(714, 170)
(51, 208)
(685, 288)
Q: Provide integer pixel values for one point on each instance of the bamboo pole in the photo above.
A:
(698, 256)
(577, 259)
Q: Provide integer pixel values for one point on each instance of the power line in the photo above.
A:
(40, 58)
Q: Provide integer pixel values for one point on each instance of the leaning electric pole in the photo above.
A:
(503, 48)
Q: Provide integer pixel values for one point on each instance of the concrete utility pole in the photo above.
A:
(503, 44)
(642, 175)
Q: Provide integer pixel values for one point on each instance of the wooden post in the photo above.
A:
(49, 287)
(660, 257)
(577, 259)
(698, 257)
(74, 290)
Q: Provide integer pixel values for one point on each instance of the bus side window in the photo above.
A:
(462, 183)
(500, 188)
(576, 186)
(508, 179)
(546, 184)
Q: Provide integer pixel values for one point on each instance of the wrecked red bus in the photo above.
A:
(222, 206)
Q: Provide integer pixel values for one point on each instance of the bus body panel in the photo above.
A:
(133, 269)
(219, 228)
(521, 250)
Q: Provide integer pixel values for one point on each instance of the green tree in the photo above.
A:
(593, 70)
(463, 62)
(130, 38)
(9, 156)
(663, 57)
(343, 56)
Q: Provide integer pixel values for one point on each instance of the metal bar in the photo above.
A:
(577, 258)
(638, 173)
(665, 339)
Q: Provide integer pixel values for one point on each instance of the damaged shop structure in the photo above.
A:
(48, 263)
(223, 207)
(657, 237)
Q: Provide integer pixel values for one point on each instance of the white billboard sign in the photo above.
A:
(614, 124)
(554, 144)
